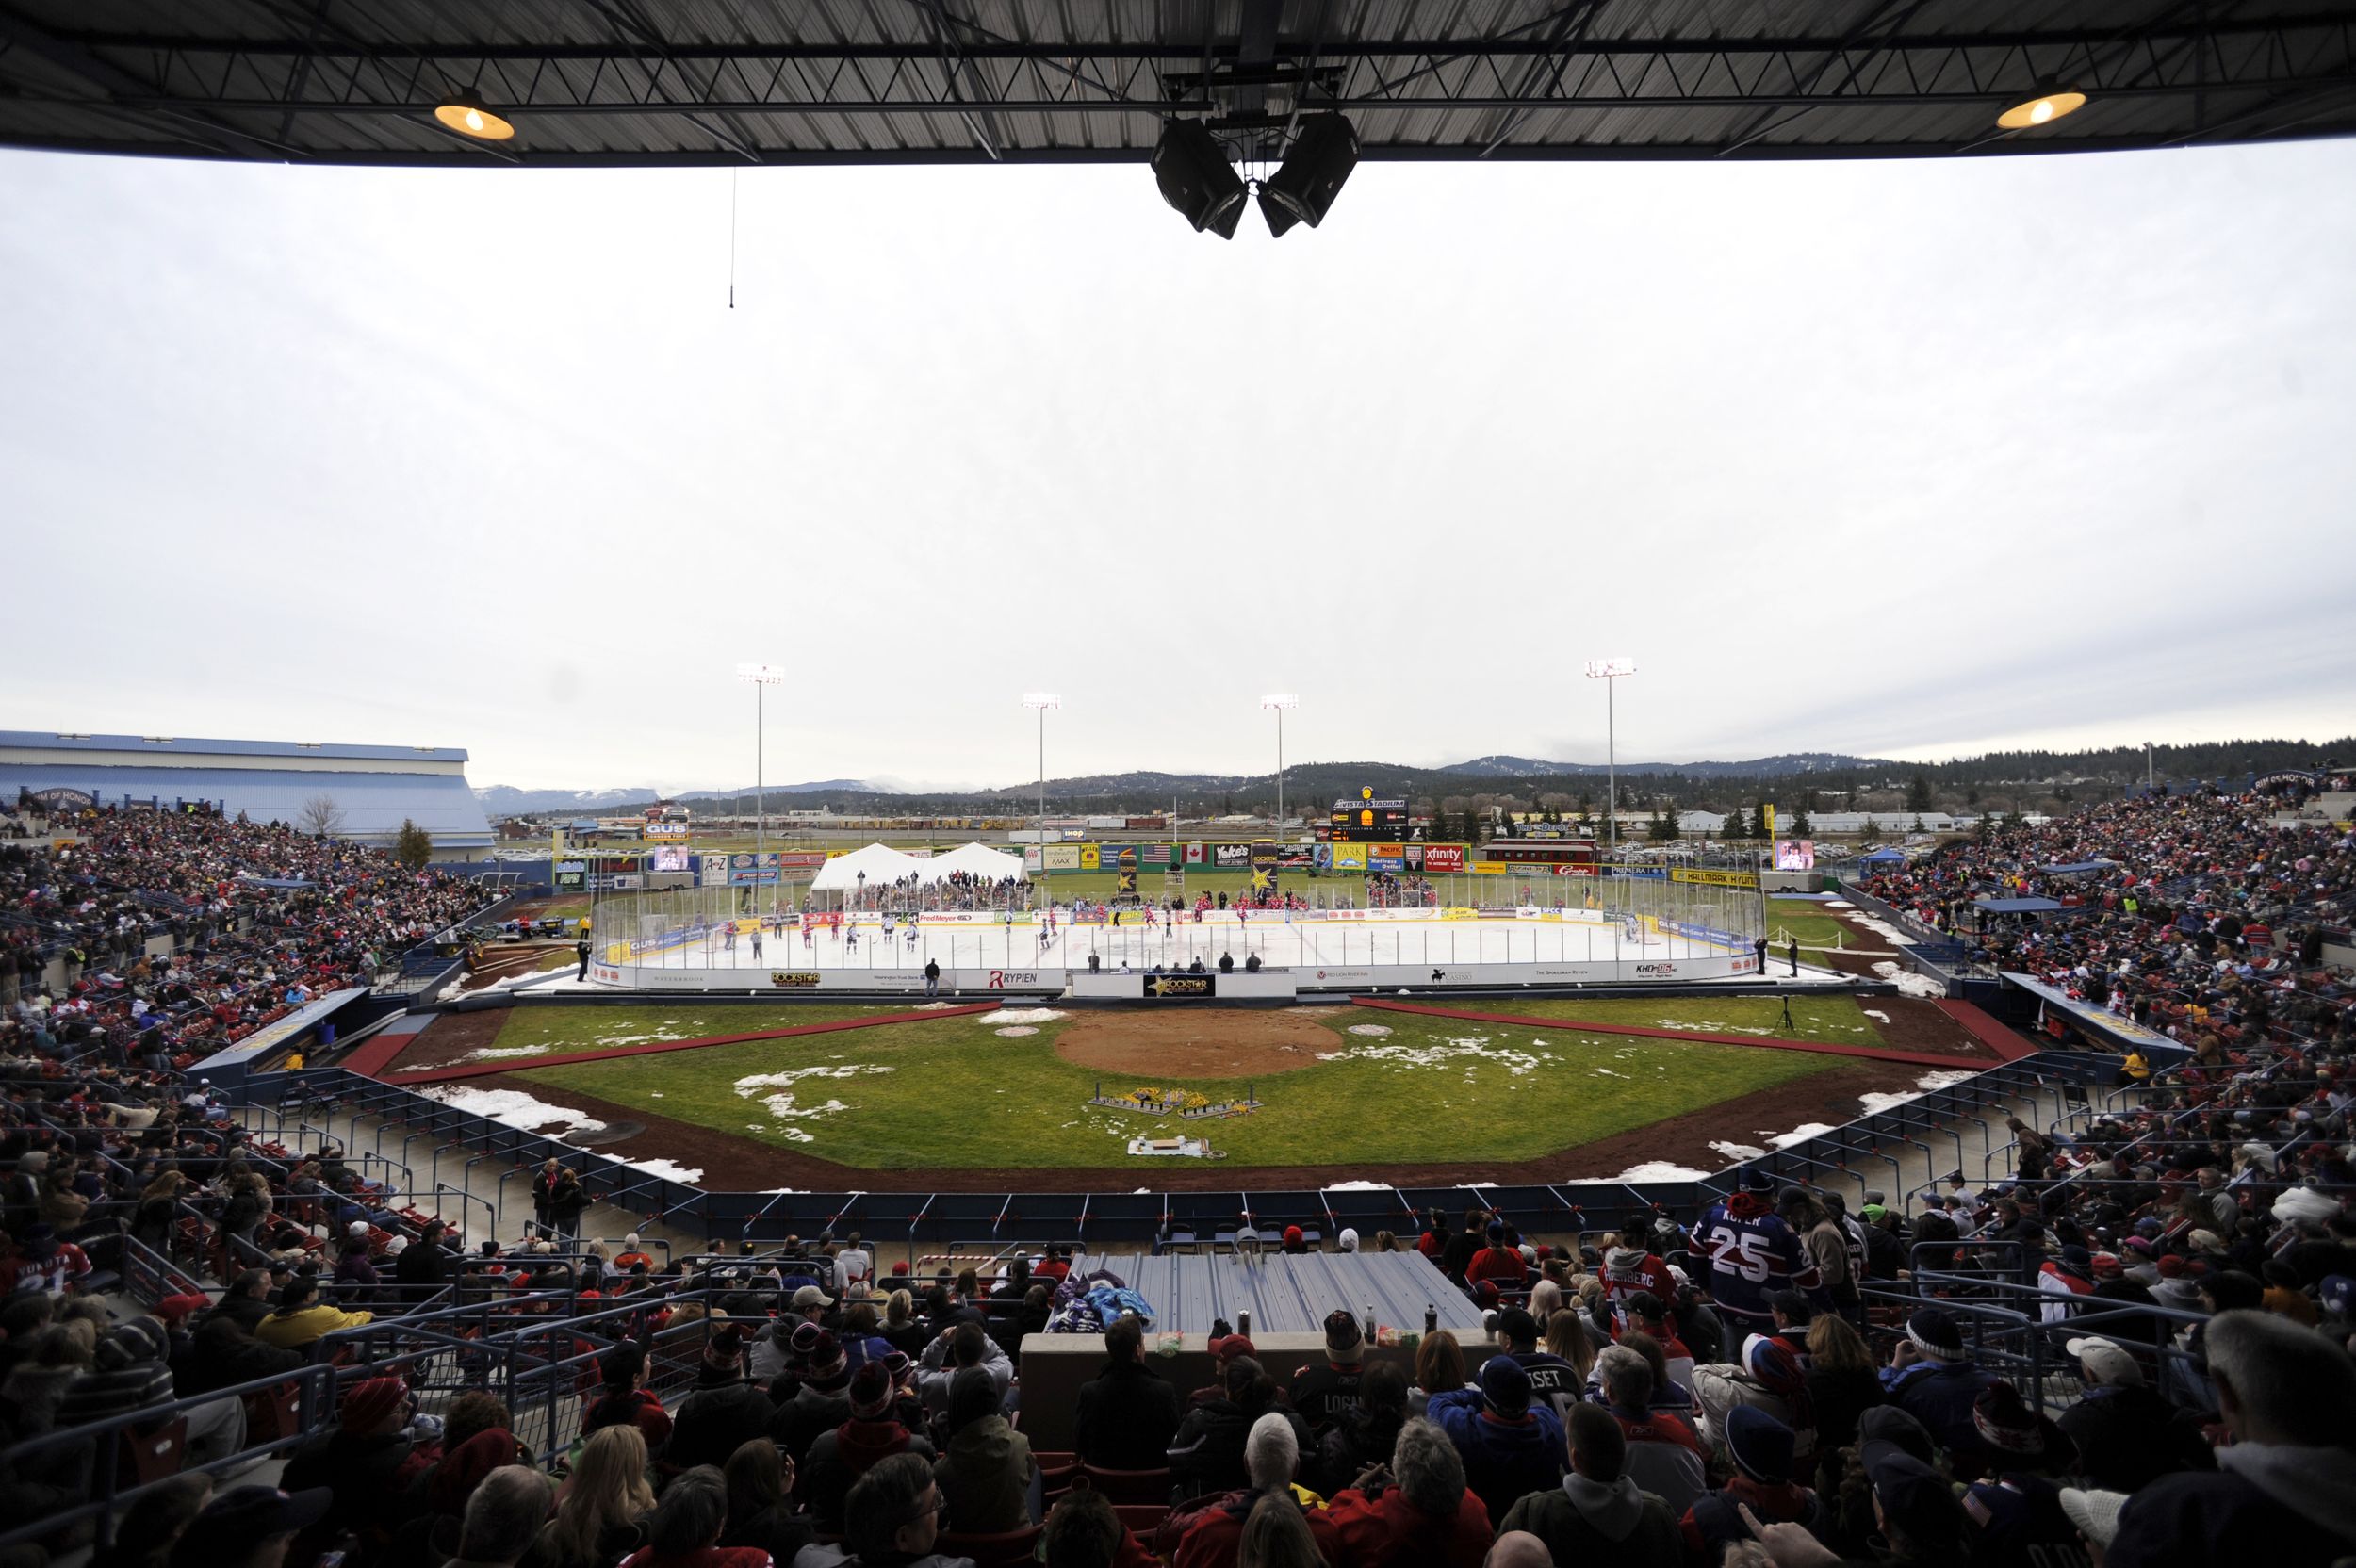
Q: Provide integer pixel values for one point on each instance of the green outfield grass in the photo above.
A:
(1806, 919)
(553, 1031)
(954, 1093)
(1836, 1018)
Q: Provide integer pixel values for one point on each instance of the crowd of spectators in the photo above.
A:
(2133, 1348)
(2195, 915)
(177, 931)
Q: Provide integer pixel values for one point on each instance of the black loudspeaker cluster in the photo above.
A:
(1197, 180)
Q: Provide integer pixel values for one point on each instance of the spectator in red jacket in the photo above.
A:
(1497, 1261)
(1417, 1511)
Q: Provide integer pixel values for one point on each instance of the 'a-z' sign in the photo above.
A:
(1181, 984)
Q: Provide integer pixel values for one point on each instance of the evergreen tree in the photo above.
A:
(413, 847)
(1663, 829)
(1919, 794)
(1800, 829)
(1736, 827)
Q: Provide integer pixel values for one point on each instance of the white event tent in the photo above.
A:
(990, 865)
(876, 866)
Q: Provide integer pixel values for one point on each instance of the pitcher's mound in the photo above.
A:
(1186, 1045)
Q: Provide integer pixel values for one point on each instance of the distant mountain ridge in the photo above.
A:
(1761, 767)
(505, 800)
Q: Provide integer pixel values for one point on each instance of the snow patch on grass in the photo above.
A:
(1737, 1152)
(1458, 1051)
(1015, 1032)
(1801, 1133)
(514, 1108)
(1374, 1030)
(1025, 1015)
(496, 1052)
(1875, 1014)
(786, 1107)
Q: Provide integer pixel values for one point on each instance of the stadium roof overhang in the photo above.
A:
(659, 82)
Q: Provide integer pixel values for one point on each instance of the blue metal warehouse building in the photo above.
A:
(373, 786)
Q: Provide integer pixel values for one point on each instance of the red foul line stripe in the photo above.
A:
(1879, 1053)
(527, 1064)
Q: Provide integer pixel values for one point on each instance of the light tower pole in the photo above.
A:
(1280, 701)
(1608, 671)
(759, 676)
(1040, 702)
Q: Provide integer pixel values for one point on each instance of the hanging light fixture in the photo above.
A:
(465, 113)
(2043, 110)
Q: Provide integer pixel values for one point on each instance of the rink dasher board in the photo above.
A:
(1266, 983)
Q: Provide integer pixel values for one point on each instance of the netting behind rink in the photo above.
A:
(1649, 915)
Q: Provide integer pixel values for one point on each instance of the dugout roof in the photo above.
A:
(652, 82)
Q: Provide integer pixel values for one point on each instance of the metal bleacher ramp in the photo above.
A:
(1287, 1294)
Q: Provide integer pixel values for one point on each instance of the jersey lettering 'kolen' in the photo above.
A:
(1751, 1258)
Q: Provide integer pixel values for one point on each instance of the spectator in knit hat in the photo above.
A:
(1127, 1413)
(1361, 1437)
(2126, 1435)
(1763, 1482)
(249, 1527)
(2285, 1489)
(1934, 1380)
(369, 1461)
(1599, 1517)
(1322, 1391)
(724, 1411)
(821, 1399)
(839, 1458)
(1417, 1511)
(1206, 1456)
(1511, 1446)
(1917, 1509)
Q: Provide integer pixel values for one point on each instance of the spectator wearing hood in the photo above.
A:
(1599, 1517)
(2286, 1489)
(1127, 1413)
(987, 1473)
(872, 1433)
(1510, 1446)
(966, 1344)
(624, 1399)
(1207, 1456)
(1418, 1513)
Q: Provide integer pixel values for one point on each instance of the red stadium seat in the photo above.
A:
(1131, 1486)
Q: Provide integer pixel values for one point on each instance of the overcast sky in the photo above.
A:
(1892, 458)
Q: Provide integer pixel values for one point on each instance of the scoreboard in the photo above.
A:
(1368, 819)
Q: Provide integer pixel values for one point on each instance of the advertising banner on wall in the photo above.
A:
(712, 870)
(1063, 858)
(753, 871)
(1795, 855)
(1033, 862)
(1442, 859)
(571, 876)
(1264, 862)
(1234, 857)
(1386, 857)
(1124, 869)
(666, 830)
(1091, 857)
(1712, 878)
(800, 863)
(1347, 857)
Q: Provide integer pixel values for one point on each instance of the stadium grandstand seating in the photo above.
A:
(2133, 1330)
